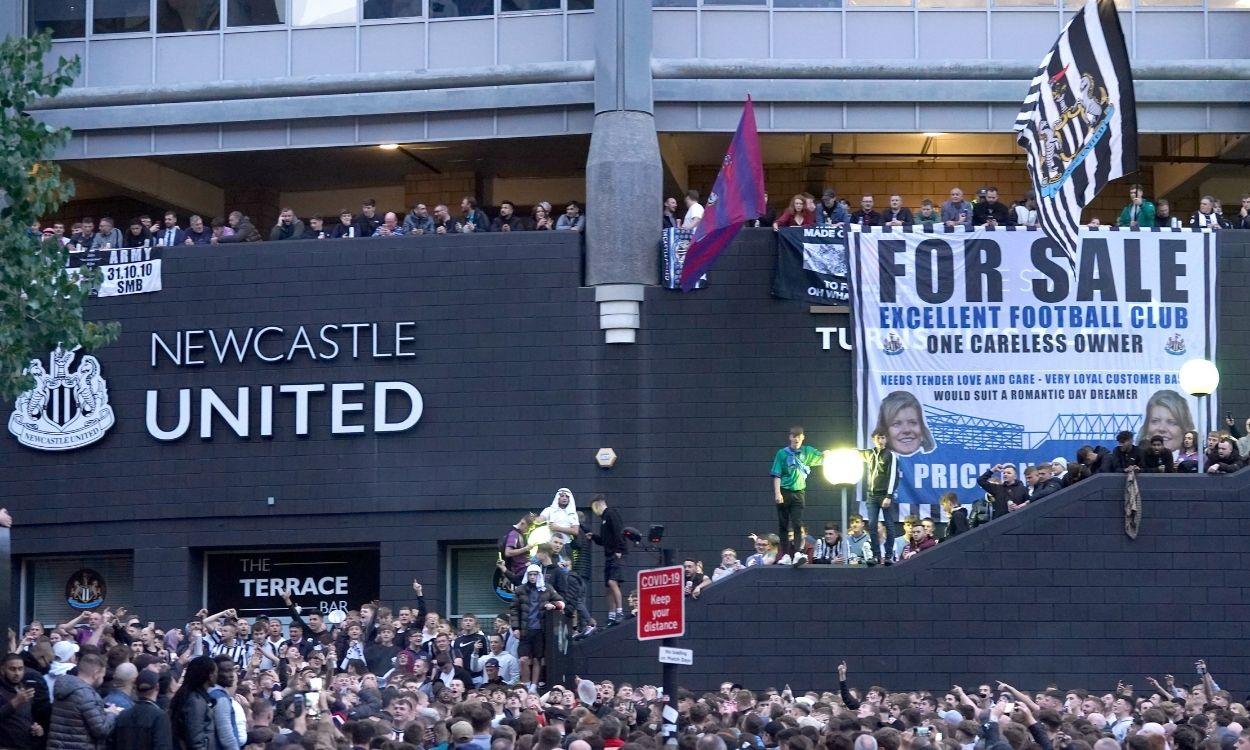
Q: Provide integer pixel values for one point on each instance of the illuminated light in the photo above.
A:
(934, 135)
(388, 146)
(843, 466)
(1199, 377)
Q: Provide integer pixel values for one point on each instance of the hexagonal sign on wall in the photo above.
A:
(606, 458)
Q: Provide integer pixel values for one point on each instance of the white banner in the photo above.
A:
(979, 348)
(135, 270)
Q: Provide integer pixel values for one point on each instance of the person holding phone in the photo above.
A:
(24, 696)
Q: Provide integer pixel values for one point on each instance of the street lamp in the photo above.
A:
(1199, 378)
(843, 467)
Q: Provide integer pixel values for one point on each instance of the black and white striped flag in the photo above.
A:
(1079, 121)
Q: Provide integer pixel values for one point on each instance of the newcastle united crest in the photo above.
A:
(64, 410)
(85, 589)
(1084, 117)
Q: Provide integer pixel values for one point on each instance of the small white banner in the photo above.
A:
(682, 656)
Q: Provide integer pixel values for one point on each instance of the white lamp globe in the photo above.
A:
(1199, 377)
(843, 466)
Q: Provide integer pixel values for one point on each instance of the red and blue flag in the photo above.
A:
(737, 197)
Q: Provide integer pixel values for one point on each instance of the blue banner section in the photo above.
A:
(982, 348)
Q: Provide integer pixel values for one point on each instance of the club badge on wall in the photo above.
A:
(85, 589)
(64, 410)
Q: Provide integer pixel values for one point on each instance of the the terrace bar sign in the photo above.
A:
(248, 410)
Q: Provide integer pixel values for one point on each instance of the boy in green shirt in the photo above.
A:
(791, 466)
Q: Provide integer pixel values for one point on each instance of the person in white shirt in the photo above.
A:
(561, 515)
(694, 211)
(509, 667)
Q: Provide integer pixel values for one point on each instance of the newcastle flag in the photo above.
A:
(737, 197)
(1079, 121)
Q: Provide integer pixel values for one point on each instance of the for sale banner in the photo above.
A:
(812, 265)
(980, 348)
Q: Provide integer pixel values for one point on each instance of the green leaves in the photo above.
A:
(40, 303)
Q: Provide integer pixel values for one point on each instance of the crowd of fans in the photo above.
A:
(405, 679)
(237, 227)
(804, 210)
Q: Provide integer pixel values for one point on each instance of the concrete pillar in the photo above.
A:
(11, 17)
(624, 175)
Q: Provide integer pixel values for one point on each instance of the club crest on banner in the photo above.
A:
(64, 410)
(1082, 122)
(1175, 345)
(892, 344)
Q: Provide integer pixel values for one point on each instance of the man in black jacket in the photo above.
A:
(144, 726)
(612, 538)
(882, 475)
(1007, 492)
(1126, 456)
(24, 705)
(1096, 458)
(991, 212)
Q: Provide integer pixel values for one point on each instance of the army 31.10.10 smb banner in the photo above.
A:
(980, 348)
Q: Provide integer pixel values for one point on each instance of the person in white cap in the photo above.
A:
(1059, 468)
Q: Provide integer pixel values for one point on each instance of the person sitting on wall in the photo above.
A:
(1185, 458)
(830, 548)
(927, 215)
(136, 235)
(1095, 459)
(507, 220)
(542, 219)
(170, 234)
(314, 229)
(1046, 484)
(765, 550)
(957, 211)
(729, 564)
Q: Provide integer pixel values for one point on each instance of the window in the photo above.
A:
(581, 4)
(510, 6)
(470, 582)
(673, 3)
(255, 12)
(49, 592)
(807, 3)
(461, 8)
(318, 12)
(121, 16)
(393, 8)
(707, 3)
(66, 18)
(187, 15)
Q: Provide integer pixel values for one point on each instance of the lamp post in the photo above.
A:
(1199, 378)
(843, 467)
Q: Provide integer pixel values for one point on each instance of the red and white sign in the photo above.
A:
(661, 603)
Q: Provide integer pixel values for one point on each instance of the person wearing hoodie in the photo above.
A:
(244, 230)
(230, 725)
(80, 718)
(561, 515)
(530, 603)
(956, 514)
(191, 710)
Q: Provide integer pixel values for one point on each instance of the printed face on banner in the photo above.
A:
(980, 349)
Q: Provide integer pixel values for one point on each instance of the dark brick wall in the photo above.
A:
(1054, 593)
(519, 393)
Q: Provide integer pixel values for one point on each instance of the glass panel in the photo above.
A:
(879, 3)
(1234, 4)
(951, 3)
(472, 583)
(66, 18)
(255, 12)
(581, 4)
(317, 12)
(510, 6)
(1024, 3)
(1168, 3)
(175, 16)
(121, 16)
(735, 2)
(393, 8)
(461, 8)
(807, 3)
(673, 3)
